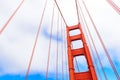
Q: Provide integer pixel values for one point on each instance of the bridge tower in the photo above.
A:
(82, 51)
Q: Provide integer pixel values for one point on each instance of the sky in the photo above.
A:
(16, 41)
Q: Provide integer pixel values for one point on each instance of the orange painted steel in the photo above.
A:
(84, 51)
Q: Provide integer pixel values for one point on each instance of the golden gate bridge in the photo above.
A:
(86, 49)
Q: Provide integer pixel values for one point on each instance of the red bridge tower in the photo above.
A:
(83, 51)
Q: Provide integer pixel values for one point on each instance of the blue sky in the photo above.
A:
(35, 76)
(16, 42)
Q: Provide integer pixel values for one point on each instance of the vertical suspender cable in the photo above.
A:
(57, 49)
(62, 52)
(11, 17)
(77, 10)
(87, 54)
(60, 12)
(79, 22)
(49, 49)
(89, 60)
(65, 50)
(92, 53)
(77, 64)
(94, 59)
(114, 6)
(93, 43)
(104, 47)
(33, 50)
(82, 15)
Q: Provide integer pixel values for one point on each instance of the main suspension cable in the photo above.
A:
(104, 47)
(35, 42)
(114, 6)
(60, 12)
(11, 17)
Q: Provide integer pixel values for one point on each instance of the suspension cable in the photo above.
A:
(77, 10)
(65, 50)
(104, 47)
(60, 12)
(49, 49)
(92, 43)
(92, 52)
(114, 6)
(76, 61)
(57, 49)
(35, 42)
(62, 52)
(11, 17)
(83, 20)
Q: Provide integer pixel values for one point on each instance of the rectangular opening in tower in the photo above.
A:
(74, 32)
(76, 44)
(80, 64)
